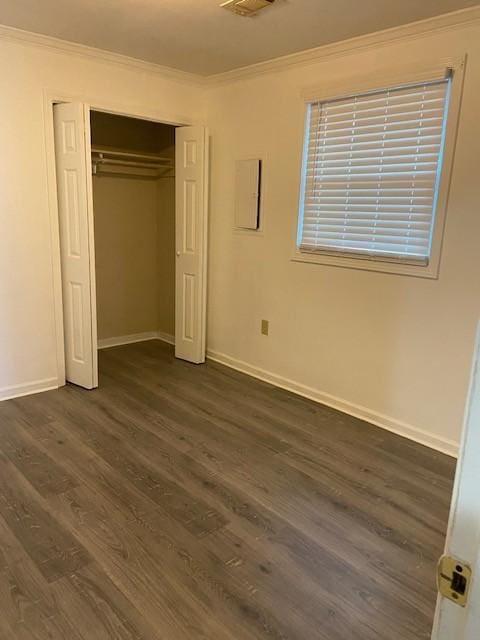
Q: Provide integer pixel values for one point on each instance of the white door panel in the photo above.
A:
(191, 239)
(463, 537)
(72, 155)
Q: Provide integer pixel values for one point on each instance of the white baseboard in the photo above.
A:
(105, 343)
(165, 337)
(26, 389)
(16, 391)
(438, 443)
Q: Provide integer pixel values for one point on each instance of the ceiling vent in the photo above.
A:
(246, 8)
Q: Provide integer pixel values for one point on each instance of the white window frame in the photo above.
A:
(371, 83)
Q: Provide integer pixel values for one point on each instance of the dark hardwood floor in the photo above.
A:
(179, 502)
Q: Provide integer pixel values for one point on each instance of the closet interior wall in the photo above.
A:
(134, 222)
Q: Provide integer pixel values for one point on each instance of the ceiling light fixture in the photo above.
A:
(246, 8)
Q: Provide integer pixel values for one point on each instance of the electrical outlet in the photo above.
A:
(264, 329)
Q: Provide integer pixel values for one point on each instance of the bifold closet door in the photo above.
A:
(75, 207)
(191, 171)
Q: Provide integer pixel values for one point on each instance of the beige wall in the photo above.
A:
(166, 255)
(394, 349)
(166, 245)
(125, 216)
(134, 256)
(28, 253)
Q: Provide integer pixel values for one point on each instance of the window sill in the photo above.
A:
(347, 262)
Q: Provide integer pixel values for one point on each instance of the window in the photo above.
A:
(371, 174)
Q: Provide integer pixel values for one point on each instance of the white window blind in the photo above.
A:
(371, 170)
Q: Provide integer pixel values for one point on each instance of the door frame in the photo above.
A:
(129, 110)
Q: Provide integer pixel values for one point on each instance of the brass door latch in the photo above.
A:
(453, 579)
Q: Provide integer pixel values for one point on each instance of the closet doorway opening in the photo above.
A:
(132, 215)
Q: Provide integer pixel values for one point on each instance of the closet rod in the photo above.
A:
(131, 163)
(124, 154)
(130, 176)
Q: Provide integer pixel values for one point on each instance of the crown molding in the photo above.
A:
(445, 22)
(100, 55)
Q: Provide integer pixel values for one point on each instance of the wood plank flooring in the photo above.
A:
(179, 502)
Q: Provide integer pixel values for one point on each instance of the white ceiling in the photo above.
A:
(198, 36)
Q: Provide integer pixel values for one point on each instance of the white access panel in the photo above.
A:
(247, 194)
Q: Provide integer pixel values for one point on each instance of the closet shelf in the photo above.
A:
(126, 164)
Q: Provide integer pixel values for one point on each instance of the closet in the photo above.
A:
(132, 236)
(133, 188)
